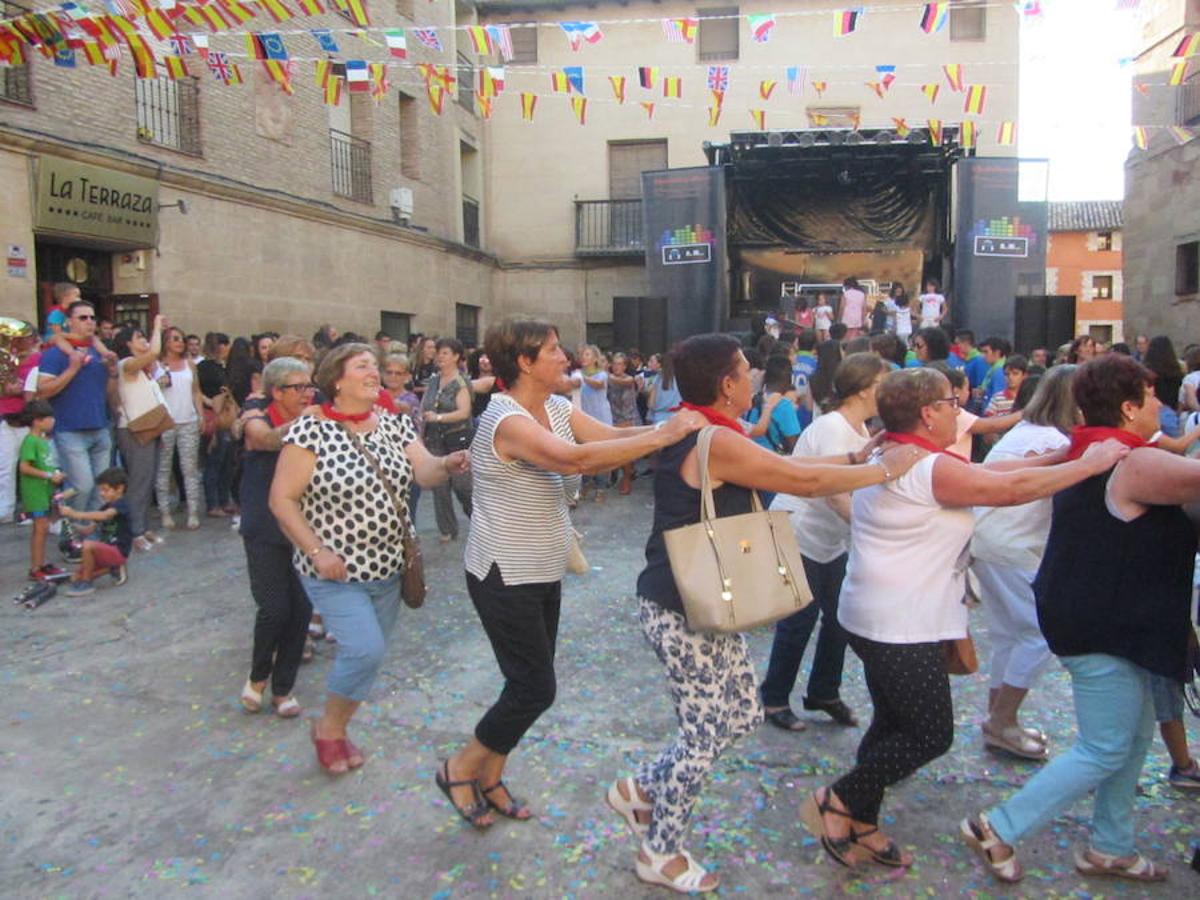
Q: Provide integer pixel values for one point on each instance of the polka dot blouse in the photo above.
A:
(345, 502)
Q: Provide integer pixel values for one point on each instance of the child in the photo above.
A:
(66, 344)
(116, 536)
(933, 305)
(823, 314)
(38, 473)
(1015, 369)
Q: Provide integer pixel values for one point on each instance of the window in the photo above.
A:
(466, 83)
(524, 45)
(471, 178)
(15, 86)
(1102, 287)
(1187, 268)
(968, 20)
(397, 326)
(627, 160)
(718, 36)
(1104, 240)
(466, 324)
(168, 113)
(410, 142)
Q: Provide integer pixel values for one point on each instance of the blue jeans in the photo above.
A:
(361, 615)
(792, 634)
(1115, 714)
(218, 470)
(84, 455)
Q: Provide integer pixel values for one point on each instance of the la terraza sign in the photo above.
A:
(79, 199)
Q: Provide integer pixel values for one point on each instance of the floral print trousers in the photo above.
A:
(716, 698)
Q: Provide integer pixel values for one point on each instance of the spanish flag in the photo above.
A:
(1189, 46)
(379, 82)
(760, 118)
(1140, 139)
(355, 11)
(333, 90)
(322, 72)
(718, 97)
(714, 115)
(672, 86)
(647, 75)
(276, 10)
(481, 41)
(930, 91)
(311, 8)
(846, 21)
(618, 87)
(579, 107)
(528, 105)
(212, 17)
(240, 13)
(1178, 74)
(820, 87)
(176, 68)
(766, 87)
(159, 24)
(877, 87)
(902, 129)
(935, 132)
(559, 83)
(483, 105)
(968, 135)
(648, 106)
(976, 96)
(437, 96)
(935, 16)
(954, 76)
(1006, 134)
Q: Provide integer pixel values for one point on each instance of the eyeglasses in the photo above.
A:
(953, 401)
(297, 387)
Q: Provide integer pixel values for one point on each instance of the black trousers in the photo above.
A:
(281, 626)
(913, 722)
(521, 621)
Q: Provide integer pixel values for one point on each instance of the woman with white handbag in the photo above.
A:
(710, 675)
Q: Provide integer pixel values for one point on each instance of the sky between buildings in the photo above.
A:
(1075, 96)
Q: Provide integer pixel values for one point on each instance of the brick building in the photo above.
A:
(1083, 260)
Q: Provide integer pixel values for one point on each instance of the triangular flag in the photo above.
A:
(501, 36)
(175, 67)
(276, 10)
(575, 78)
(379, 82)
(934, 17)
(930, 91)
(322, 72)
(618, 87)
(1178, 74)
(332, 91)
(559, 83)
(954, 76)
(1188, 46)
(579, 32)
(325, 40)
(902, 129)
(483, 106)
(935, 131)
(887, 76)
(877, 87)
(968, 135)
(354, 10)
(672, 86)
(975, 99)
(1181, 133)
(428, 37)
(1006, 134)
(760, 118)
(714, 115)
(1139, 137)
(820, 87)
(761, 27)
(681, 31)
(718, 97)
(528, 104)
(766, 88)
(648, 106)
(846, 21)
(437, 97)
(579, 107)
(481, 40)
(311, 7)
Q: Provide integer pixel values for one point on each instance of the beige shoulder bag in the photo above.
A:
(735, 573)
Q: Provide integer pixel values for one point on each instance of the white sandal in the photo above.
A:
(628, 808)
(981, 838)
(288, 709)
(1141, 869)
(251, 699)
(689, 881)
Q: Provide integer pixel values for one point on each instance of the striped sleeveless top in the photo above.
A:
(519, 519)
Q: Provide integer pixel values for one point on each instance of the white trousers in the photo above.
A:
(1019, 652)
(10, 448)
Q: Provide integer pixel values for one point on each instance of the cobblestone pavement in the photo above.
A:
(130, 770)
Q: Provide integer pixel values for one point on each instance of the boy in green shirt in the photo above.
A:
(38, 478)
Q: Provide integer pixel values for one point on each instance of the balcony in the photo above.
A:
(608, 228)
(350, 163)
(470, 221)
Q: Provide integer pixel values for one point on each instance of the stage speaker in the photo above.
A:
(1043, 321)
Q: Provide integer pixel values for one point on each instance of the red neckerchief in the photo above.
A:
(1083, 436)
(275, 414)
(386, 402)
(78, 341)
(714, 417)
(924, 443)
(331, 413)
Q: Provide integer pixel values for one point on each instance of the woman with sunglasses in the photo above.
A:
(176, 376)
(897, 622)
(138, 394)
(281, 626)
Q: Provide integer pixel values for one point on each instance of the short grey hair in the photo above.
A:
(397, 359)
(904, 393)
(277, 371)
(1053, 402)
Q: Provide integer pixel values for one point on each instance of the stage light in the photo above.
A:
(854, 137)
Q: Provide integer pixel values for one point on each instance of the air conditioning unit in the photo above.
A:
(401, 200)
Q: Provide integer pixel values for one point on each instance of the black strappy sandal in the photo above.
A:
(811, 814)
(515, 807)
(890, 856)
(473, 813)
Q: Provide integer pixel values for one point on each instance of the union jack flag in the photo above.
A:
(428, 37)
(718, 78)
(218, 64)
(181, 44)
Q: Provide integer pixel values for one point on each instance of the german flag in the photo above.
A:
(975, 99)
(647, 75)
(846, 21)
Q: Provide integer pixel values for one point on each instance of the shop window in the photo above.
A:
(1102, 287)
(1187, 268)
(718, 36)
(168, 113)
(968, 20)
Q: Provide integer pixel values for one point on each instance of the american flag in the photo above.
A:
(502, 38)
(718, 78)
(218, 64)
(428, 37)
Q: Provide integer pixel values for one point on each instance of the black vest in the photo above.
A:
(1113, 587)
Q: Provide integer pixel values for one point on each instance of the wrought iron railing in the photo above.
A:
(15, 86)
(608, 228)
(1187, 102)
(168, 113)
(470, 221)
(350, 162)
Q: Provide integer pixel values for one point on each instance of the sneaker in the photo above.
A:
(80, 589)
(51, 572)
(120, 575)
(235, 522)
(153, 537)
(142, 543)
(1185, 779)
